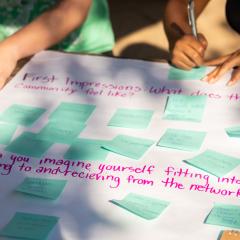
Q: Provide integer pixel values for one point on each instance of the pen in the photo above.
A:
(191, 17)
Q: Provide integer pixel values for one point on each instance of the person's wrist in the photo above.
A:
(11, 49)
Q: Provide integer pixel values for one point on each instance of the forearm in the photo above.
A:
(176, 18)
(48, 29)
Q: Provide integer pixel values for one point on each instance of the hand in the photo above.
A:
(188, 52)
(224, 64)
(8, 62)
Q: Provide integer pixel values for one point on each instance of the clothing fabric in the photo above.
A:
(94, 36)
(233, 14)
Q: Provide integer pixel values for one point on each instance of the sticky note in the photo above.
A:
(131, 118)
(179, 74)
(146, 207)
(233, 131)
(27, 144)
(29, 226)
(72, 111)
(42, 187)
(230, 235)
(6, 132)
(224, 215)
(61, 131)
(182, 139)
(86, 149)
(185, 108)
(128, 146)
(21, 114)
(215, 163)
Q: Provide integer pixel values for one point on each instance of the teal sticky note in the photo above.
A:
(185, 108)
(182, 139)
(233, 131)
(29, 226)
(21, 114)
(193, 74)
(86, 149)
(73, 112)
(128, 146)
(6, 132)
(215, 163)
(131, 118)
(61, 131)
(42, 187)
(27, 144)
(143, 206)
(224, 215)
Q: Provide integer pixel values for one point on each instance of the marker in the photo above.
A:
(191, 17)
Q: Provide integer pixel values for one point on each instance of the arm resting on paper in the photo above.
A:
(48, 29)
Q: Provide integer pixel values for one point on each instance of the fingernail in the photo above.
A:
(212, 80)
(205, 79)
(230, 83)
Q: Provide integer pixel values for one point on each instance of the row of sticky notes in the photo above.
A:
(68, 116)
(178, 107)
(29, 144)
(211, 161)
(66, 122)
(38, 227)
(27, 115)
(128, 146)
(150, 208)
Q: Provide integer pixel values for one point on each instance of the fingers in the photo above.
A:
(188, 52)
(203, 40)
(232, 61)
(235, 77)
(217, 61)
(223, 59)
(2, 82)
(212, 76)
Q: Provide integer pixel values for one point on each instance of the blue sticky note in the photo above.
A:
(131, 118)
(86, 149)
(61, 131)
(27, 144)
(182, 139)
(233, 131)
(21, 114)
(214, 162)
(128, 146)
(143, 206)
(224, 215)
(185, 108)
(6, 132)
(42, 187)
(29, 226)
(73, 112)
(193, 74)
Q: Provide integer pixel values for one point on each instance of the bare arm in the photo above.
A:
(46, 30)
(186, 51)
(176, 18)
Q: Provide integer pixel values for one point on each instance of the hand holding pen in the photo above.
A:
(188, 51)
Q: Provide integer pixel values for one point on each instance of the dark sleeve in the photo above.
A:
(233, 14)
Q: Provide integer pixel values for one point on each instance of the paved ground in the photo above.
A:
(139, 30)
